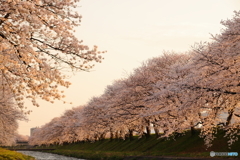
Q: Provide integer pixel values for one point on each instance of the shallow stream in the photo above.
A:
(47, 156)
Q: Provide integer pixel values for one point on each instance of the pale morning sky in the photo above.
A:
(132, 31)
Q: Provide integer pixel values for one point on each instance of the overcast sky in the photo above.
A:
(132, 31)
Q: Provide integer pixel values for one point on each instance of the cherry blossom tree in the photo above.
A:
(9, 116)
(95, 119)
(119, 109)
(209, 84)
(217, 66)
(48, 134)
(164, 98)
(8, 124)
(71, 122)
(37, 42)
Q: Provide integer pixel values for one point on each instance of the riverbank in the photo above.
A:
(13, 155)
(153, 148)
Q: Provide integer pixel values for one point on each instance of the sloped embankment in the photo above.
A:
(13, 155)
(184, 146)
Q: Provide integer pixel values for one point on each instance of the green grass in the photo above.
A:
(12, 155)
(184, 146)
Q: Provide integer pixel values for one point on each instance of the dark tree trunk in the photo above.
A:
(130, 134)
(96, 137)
(229, 118)
(102, 136)
(148, 131)
(193, 131)
(116, 135)
(121, 135)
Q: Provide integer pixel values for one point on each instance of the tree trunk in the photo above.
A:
(102, 136)
(193, 131)
(122, 135)
(96, 137)
(156, 132)
(229, 118)
(130, 134)
(116, 135)
(148, 131)
(111, 136)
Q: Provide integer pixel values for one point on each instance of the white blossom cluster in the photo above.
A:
(168, 94)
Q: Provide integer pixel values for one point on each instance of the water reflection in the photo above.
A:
(47, 156)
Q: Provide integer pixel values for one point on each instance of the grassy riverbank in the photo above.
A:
(12, 155)
(184, 146)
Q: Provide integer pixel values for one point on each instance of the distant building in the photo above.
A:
(32, 130)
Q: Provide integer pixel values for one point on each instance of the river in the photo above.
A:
(47, 156)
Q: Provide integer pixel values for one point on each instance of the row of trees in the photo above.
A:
(170, 94)
(37, 43)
